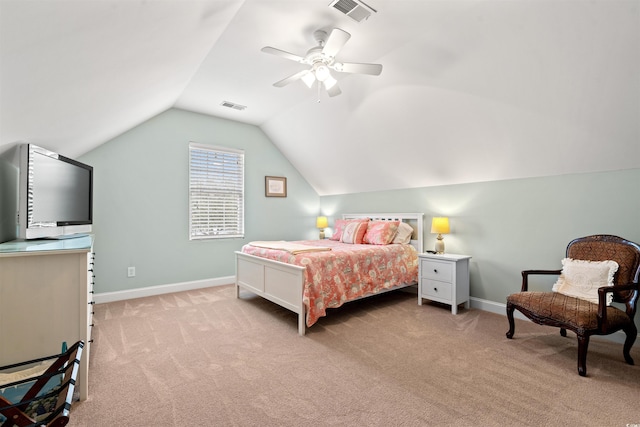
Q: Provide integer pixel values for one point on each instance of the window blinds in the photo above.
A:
(216, 192)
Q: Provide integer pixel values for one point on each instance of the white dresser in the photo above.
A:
(46, 298)
(444, 278)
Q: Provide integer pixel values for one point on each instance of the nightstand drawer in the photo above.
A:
(436, 270)
(436, 290)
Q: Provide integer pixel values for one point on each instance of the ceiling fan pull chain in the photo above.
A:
(318, 92)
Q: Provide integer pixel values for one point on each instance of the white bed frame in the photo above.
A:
(283, 283)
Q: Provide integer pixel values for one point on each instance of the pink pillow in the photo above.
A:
(340, 224)
(354, 232)
(381, 232)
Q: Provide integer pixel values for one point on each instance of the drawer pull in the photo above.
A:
(435, 289)
(435, 270)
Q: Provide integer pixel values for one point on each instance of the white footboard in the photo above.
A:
(276, 281)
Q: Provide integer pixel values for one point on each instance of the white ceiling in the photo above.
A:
(471, 90)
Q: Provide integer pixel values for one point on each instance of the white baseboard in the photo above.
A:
(104, 297)
(499, 308)
(494, 307)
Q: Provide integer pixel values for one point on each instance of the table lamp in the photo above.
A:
(440, 225)
(322, 223)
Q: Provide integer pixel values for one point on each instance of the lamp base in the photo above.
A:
(322, 234)
(439, 245)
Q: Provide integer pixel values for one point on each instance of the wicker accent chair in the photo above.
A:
(581, 316)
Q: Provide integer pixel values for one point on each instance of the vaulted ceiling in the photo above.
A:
(471, 90)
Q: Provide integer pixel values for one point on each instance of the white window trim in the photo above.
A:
(236, 229)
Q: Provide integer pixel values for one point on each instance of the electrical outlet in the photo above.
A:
(131, 272)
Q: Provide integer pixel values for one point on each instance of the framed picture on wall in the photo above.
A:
(275, 186)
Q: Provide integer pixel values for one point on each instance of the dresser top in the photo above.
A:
(17, 247)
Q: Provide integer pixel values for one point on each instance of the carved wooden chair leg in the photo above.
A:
(632, 333)
(563, 332)
(512, 325)
(583, 344)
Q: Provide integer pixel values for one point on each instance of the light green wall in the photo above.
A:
(141, 201)
(509, 226)
(141, 211)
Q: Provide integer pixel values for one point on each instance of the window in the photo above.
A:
(216, 192)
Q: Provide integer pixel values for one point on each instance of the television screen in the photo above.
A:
(56, 194)
(61, 191)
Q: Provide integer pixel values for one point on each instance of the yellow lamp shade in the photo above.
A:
(440, 225)
(322, 222)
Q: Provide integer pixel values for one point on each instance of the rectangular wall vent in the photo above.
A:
(233, 105)
(356, 10)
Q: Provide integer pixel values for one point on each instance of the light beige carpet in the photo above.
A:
(205, 358)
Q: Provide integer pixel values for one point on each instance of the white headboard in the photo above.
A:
(415, 220)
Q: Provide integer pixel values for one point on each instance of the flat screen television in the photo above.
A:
(55, 195)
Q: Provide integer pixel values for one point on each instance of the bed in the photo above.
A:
(291, 278)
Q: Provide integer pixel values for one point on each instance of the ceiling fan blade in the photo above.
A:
(282, 53)
(337, 39)
(334, 90)
(291, 79)
(351, 67)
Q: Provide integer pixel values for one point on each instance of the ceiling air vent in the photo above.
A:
(356, 10)
(233, 105)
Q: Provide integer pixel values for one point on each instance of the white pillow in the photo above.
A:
(404, 233)
(581, 279)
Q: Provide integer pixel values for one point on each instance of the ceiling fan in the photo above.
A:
(322, 59)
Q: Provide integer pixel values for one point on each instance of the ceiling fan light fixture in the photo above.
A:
(329, 82)
(322, 72)
(308, 79)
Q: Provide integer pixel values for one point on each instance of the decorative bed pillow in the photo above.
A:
(338, 227)
(581, 279)
(340, 224)
(403, 236)
(354, 232)
(380, 232)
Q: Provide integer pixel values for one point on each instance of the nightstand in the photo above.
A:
(444, 278)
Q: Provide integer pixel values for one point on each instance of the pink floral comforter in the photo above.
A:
(346, 272)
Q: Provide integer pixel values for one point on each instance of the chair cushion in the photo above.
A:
(577, 314)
